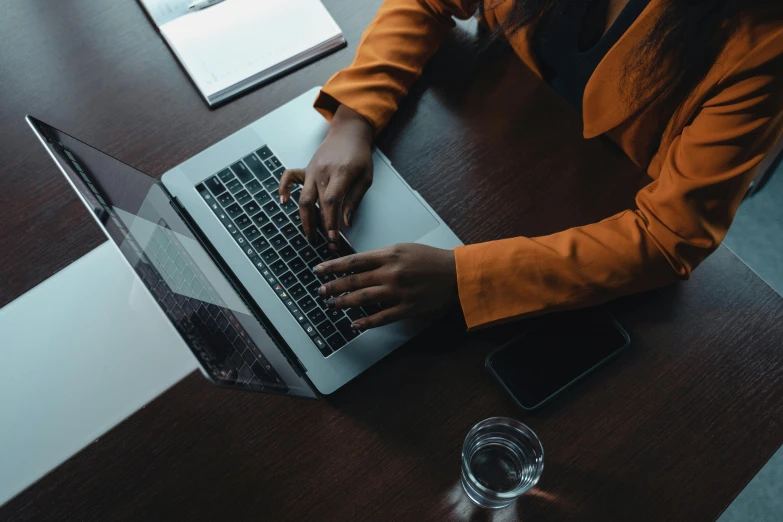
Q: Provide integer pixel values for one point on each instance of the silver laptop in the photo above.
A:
(230, 266)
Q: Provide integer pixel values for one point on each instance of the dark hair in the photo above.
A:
(675, 55)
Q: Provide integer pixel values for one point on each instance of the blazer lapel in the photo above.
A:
(603, 107)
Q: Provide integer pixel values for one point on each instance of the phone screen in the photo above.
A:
(557, 351)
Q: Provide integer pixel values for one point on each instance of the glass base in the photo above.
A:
(477, 499)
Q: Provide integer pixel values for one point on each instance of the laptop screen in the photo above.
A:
(232, 346)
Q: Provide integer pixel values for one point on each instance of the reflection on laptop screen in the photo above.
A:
(137, 214)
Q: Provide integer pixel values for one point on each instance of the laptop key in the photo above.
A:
(278, 267)
(225, 175)
(288, 253)
(251, 233)
(308, 254)
(295, 195)
(271, 185)
(323, 251)
(233, 210)
(297, 241)
(325, 278)
(334, 315)
(322, 346)
(225, 199)
(250, 253)
(297, 219)
(308, 278)
(260, 244)
(354, 314)
(289, 207)
(278, 174)
(289, 231)
(263, 197)
(215, 186)
(278, 242)
(251, 208)
(264, 153)
(242, 172)
(254, 186)
(242, 221)
(269, 256)
(271, 208)
(336, 342)
(280, 220)
(326, 329)
(260, 266)
(234, 186)
(297, 291)
(306, 304)
(256, 167)
(269, 230)
(313, 288)
(298, 314)
(260, 219)
(297, 265)
(243, 197)
(288, 279)
(273, 163)
(316, 316)
(310, 330)
(344, 326)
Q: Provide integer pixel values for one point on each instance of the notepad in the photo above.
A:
(238, 44)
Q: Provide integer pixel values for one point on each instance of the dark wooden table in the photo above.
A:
(672, 430)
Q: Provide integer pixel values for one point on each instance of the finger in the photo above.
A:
(331, 198)
(352, 199)
(349, 283)
(382, 318)
(363, 297)
(353, 263)
(307, 210)
(287, 180)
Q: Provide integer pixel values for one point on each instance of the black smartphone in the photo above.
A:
(558, 351)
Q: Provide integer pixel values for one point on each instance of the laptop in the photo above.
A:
(230, 267)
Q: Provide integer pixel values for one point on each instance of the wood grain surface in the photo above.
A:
(671, 430)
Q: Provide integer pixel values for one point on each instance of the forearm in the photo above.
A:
(519, 277)
(390, 57)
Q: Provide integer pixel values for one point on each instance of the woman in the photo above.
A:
(691, 90)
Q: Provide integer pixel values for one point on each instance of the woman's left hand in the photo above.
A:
(407, 280)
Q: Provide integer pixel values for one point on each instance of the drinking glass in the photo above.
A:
(501, 460)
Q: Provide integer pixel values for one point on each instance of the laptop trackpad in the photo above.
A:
(389, 213)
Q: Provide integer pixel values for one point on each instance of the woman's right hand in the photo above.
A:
(338, 175)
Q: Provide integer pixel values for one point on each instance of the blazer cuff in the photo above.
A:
(335, 93)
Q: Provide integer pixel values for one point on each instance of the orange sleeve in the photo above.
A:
(391, 56)
(681, 217)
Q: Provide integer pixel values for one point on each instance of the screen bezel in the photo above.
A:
(493, 356)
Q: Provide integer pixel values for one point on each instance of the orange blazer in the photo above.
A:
(699, 170)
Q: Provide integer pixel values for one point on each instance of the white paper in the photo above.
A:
(224, 45)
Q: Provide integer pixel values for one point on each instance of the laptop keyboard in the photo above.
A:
(245, 199)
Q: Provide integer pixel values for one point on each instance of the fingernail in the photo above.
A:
(349, 218)
(330, 303)
(322, 290)
(317, 269)
(281, 200)
(355, 327)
